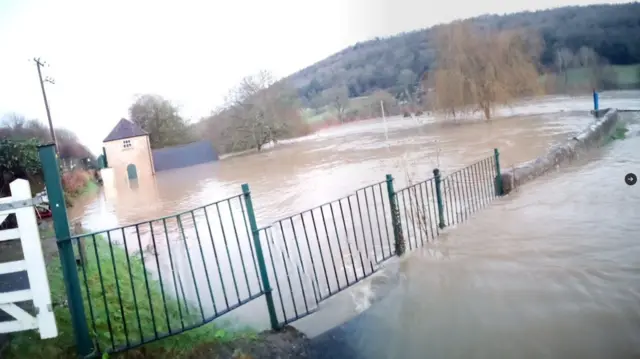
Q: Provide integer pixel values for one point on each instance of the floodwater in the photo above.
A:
(551, 271)
(303, 173)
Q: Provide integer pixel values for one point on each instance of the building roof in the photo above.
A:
(125, 129)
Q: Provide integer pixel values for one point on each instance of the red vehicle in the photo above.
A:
(43, 211)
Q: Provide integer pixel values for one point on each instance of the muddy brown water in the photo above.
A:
(551, 271)
(303, 173)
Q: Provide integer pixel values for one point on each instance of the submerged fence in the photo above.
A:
(153, 279)
(136, 284)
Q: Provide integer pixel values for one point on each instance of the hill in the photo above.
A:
(398, 62)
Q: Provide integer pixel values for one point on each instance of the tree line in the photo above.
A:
(454, 69)
(398, 64)
(19, 138)
(259, 110)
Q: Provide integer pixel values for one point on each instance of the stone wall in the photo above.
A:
(591, 137)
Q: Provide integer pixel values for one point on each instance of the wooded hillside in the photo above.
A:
(398, 62)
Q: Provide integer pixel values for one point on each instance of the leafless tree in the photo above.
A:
(598, 72)
(479, 69)
(258, 111)
(338, 99)
(563, 61)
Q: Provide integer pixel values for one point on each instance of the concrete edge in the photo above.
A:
(591, 137)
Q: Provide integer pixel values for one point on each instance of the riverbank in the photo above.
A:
(79, 183)
(538, 272)
(118, 293)
(599, 132)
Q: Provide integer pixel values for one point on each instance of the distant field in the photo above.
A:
(625, 76)
(628, 74)
(311, 117)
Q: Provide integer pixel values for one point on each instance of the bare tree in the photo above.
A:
(258, 111)
(388, 101)
(598, 72)
(338, 99)
(160, 118)
(563, 61)
(370, 106)
(479, 69)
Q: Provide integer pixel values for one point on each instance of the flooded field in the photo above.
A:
(301, 174)
(551, 271)
(329, 164)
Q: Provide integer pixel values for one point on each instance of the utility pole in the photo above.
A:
(40, 64)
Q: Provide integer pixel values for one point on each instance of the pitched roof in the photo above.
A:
(125, 129)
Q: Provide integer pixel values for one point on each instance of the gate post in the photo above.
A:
(398, 237)
(436, 175)
(498, 181)
(55, 194)
(36, 269)
(261, 263)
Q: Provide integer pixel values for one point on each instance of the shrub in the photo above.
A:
(74, 182)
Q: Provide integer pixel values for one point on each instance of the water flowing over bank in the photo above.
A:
(307, 172)
(549, 271)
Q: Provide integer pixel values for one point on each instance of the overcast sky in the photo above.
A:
(101, 54)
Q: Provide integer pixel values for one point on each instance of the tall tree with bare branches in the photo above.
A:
(258, 111)
(338, 100)
(479, 69)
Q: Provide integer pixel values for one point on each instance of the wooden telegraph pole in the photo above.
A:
(39, 65)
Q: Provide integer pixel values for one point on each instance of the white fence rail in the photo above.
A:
(21, 203)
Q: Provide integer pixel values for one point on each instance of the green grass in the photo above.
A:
(29, 345)
(619, 133)
(47, 232)
(90, 188)
(625, 75)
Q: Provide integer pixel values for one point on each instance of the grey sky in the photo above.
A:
(103, 53)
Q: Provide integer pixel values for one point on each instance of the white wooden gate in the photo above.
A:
(27, 232)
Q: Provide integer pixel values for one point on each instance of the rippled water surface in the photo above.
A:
(312, 170)
(552, 271)
(561, 252)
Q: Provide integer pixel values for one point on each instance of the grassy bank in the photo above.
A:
(121, 310)
(619, 133)
(90, 187)
(78, 183)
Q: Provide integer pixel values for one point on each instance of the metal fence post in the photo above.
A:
(398, 237)
(438, 180)
(260, 256)
(498, 181)
(55, 194)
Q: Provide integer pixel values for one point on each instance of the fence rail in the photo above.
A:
(150, 280)
(153, 279)
(328, 248)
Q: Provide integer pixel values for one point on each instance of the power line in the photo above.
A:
(39, 65)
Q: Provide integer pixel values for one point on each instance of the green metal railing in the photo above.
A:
(319, 252)
(147, 281)
(429, 206)
(153, 279)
